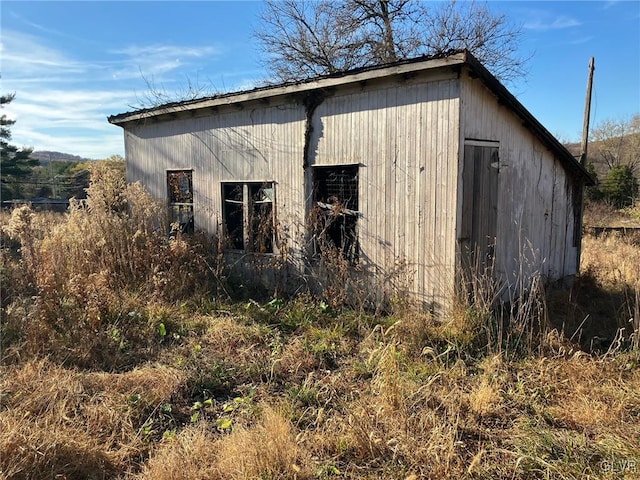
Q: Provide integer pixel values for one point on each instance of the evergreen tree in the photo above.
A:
(593, 193)
(15, 163)
(620, 187)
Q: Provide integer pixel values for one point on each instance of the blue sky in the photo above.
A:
(71, 64)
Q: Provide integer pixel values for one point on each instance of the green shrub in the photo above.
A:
(620, 187)
(593, 193)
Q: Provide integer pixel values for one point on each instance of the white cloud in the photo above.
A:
(545, 21)
(62, 102)
(25, 56)
(581, 40)
(152, 60)
(154, 51)
(110, 142)
(72, 121)
(42, 28)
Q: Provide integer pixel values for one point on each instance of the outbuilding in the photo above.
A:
(430, 163)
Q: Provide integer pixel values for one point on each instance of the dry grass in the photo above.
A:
(108, 372)
(81, 279)
(64, 422)
(611, 264)
(268, 449)
(614, 261)
(601, 214)
(188, 456)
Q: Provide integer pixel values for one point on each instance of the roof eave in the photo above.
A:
(529, 120)
(369, 73)
(262, 93)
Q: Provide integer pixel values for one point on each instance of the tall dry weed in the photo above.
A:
(267, 450)
(85, 268)
(492, 315)
(190, 455)
(612, 263)
(59, 423)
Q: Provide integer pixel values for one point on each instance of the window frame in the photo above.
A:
(177, 209)
(248, 190)
(339, 216)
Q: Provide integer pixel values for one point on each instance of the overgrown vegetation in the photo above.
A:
(125, 356)
(614, 161)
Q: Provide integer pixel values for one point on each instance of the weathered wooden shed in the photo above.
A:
(421, 162)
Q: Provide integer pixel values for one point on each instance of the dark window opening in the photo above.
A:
(180, 195)
(335, 218)
(247, 215)
(233, 215)
(261, 218)
(577, 199)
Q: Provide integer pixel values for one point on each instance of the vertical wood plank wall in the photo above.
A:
(405, 137)
(404, 133)
(256, 144)
(535, 213)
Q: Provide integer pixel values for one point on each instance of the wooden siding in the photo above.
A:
(405, 137)
(403, 133)
(535, 199)
(259, 144)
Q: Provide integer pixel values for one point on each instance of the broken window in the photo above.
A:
(335, 218)
(247, 215)
(233, 215)
(180, 195)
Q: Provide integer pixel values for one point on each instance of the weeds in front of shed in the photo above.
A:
(144, 381)
(336, 272)
(86, 273)
(493, 315)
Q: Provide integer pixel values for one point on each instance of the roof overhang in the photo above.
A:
(455, 59)
(529, 121)
(319, 83)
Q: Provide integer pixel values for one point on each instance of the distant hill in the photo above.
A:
(46, 156)
(628, 145)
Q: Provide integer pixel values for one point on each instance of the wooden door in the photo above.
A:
(480, 205)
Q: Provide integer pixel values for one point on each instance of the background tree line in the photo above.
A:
(16, 163)
(24, 176)
(614, 160)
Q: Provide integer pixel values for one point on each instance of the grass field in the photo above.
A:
(118, 361)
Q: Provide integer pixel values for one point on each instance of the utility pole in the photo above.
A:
(587, 114)
(579, 199)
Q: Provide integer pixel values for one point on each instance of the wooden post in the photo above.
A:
(579, 201)
(587, 113)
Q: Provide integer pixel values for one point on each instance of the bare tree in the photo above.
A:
(472, 26)
(307, 38)
(617, 142)
(157, 94)
(389, 30)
